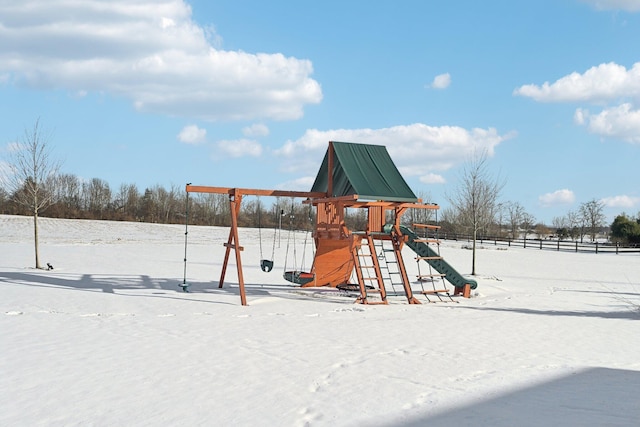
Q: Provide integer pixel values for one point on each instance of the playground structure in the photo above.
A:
(356, 176)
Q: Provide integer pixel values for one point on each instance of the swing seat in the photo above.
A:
(266, 265)
(299, 277)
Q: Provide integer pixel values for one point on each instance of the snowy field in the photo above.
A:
(108, 339)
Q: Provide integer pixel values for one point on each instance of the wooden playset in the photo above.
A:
(356, 176)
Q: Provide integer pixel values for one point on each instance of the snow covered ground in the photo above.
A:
(108, 338)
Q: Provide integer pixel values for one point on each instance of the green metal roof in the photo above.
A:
(365, 170)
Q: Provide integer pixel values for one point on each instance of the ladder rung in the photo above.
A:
(421, 276)
(439, 291)
(428, 257)
(427, 241)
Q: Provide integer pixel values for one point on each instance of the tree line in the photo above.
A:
(68, 196)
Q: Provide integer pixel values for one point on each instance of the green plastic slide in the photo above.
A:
(440, 265)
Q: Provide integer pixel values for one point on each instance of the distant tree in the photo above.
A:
(542, 230)
(476, 198)
(562, 227)
(97, 197)
(67, 195)
(32, 171)
(148, 206)
(575, 222)
(448, 222)
(127, 201)
(593, 216)
(625, 230)
(515, 214)
(168, 202)
(4, 200)
(559, 224)
(356, 219)
(527, 224)
(421, 216)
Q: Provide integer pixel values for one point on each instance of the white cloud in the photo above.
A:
(255, 130)
(151, 52)
(599, 83)
(621, 201)
(192, 134)
(432, 178)
(240, 148)
(301, 184)
(558, 197)
(628, 5)
(621, 122)
(441, 81)
(417, 149)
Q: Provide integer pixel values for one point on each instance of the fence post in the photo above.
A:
(525, 242)
(596, 247)
(576, 246)
(616, 248)
(540, 244)
(558, 245)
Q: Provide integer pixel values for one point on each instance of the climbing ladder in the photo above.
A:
(439, 287)
(367, 269)
(389, 266)
(372, 274)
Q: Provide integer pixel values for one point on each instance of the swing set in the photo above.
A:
(233, 242)
(299, 276)
(351, 176)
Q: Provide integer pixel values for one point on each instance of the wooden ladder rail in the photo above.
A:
(397, 242)
(359, 266)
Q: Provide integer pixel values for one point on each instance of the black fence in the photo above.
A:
(548, 244)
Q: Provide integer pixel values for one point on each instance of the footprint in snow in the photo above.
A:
(13, 313)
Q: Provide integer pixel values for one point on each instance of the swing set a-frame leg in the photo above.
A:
(234, 243)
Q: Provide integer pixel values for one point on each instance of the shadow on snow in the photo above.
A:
(591, 397)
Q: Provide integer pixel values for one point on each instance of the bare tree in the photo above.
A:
(127, 201)
(97, 197)
(476, 199)
(593, 216)
(31, 173)
(515, 215)
(420, 216)
(574, 221)
(68, 194)
(527, 223)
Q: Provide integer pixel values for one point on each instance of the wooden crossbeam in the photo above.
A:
(253, 192)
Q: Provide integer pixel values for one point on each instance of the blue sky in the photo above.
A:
(244, 93)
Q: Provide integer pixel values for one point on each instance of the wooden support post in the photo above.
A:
(465, 291)
(235, 200)
(397, 241)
